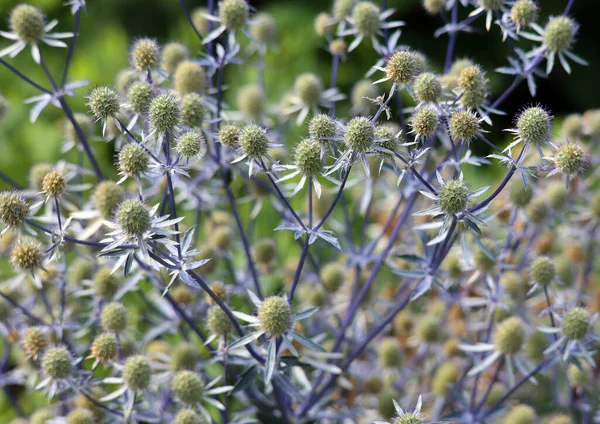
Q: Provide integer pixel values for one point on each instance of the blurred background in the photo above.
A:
(109, 27)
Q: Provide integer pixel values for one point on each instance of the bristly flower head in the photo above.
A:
(233, 14)
(464, 126)
(188, 416)
(103, 102)
(137, 373)
(26, 256)
(133, 217)
(533, 127)
(133, 160)
(424, 123)
(322, 127)
(569, 159)
(105, 347)
(57, 363)
(524, 12)
(402, 67)
(193, 111)
(543, 270)
(189, 77)
(510, 336)
(164, 114)
(521, 414)
(366, 18)
(114, 317)
(229, 136)
(427, 88)
(13, 209)
(54, 183)
(360, 134)
(433, 7)
(405, 417)
(191, 145)
(559, 33)
(172, 54)
(139, 96)
(453, 196)
(107, 196)
(275, 316)
(145, 54)
(35, 341)
(308, 157)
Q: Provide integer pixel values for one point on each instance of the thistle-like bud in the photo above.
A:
(218, 322)
(491, 4)
(570, 159)
(54, 183)
(453, 196)
(107, 197)
(366, 18)
(389, 352)
(26, 255)
(323, 24)
(13, 209)
(222, 237)
(137, 373)
(338, 47)
(57, 362)
(373, 384)
(189, 77)
(251, 100)
(519, 195)
(133, 160)
(81, 416)
(474, 85)
(172, 54)
(576, 323)
(85, 123)
(427, 88)
(521, 414)
(510, 336)
(308, 157)
(464, 126)
(164, 114)
(385, 405)
(403, 66)
(557, 195)
(145, 54)
(579, 376)
(534, 126)
(199, 19)
(233, 14)
(308, 88)
(191, 145)
(188, 416)
(139, 95)
(220, 290)
(188, 387)
(103, 102)
(27, 22)
(524, 12)
(275, 316)
(114, 317)
(362, 91)
(559, 33)
(333, 276)
(433, 7)
(543, 270)
(105, 347)
(425, 121)
(253, 141)
(360, 134)
(35, 341)
(321, 127)
(133, 217)
(229, 136)
(538, 211)
(192, 110)
(265, 28)
(445, 378)
(36, 175)
(185, 357)
(342, 8)
(429, 330)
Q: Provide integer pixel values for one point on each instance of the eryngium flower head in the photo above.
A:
(184, 357)
(428, 329)
(251, 100)
(323, 23)
(188, 387)
(572, 127)
(474, 85)
(464, 126)
(103, 102)
(188, 416)
(191, 144)
(172, 54)
(427, 88)
(275, 316)
(519, 195)
(342, 8)
(81, 416)
(510, 336)
(534, 126)
(189, 77)
(219, 289)
(13, 209)
(139, 96)
(491, 4)
(453, 196)
(366, 18)
(133, 160)
(424, 122)
(145, 54)
(543, 270)
(137, 373)
(192, 110)
(265, 28)
(524, 12)
(218, 322)
(308, 88)
(521, 414)
(105, 347)
(433, 7)
(114, 317)
(57, 362)
(35, 341)
(360, 134)
(559, 33)
(107, 197)
(561, 419)
(164, 113)
(54, 183)
(26, 255)
(133, 217)
(253, 141)
(27, 22)
(570, 159)
(233, 14)
(333, 276)
(338, 47)
(575, 323)
(322, 126)
(389, 352)
(229, 136)
(308, 157)
(445, 378)
(403, 66)
(362, 91)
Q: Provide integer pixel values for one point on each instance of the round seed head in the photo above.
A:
(388, 138)
(389, 352)
(221, 237)
(218, 322)
(114, 317)
(27, 22)
(570, 159)
(229, 136)
(107, 197)
(185, 357)
(172, 54)
(366, 18)
(188, 387)
(253, 141)
(342, 8)
(54, 183)
(557, 195)
(510, 336)
(164, 113)
(275, 316)
(26, 255)
(575, 323)
(362, 91)
(559, 33)
(445, 378)
(578, 376)
(519, 195)
(491, 4)
(105, 347)
(537, 211)
(220, 290)
(360, 134)
(464, 126)
(474, 85)
(251, 100)
(233, 14)
(543, 270)
(424, 122)
(191, 145)
(192, 110)
(35, 341)
(333, 276)
(403, 66)
(133, 160)
(373, 385)
(429, 330)
(308, 157)
(524, 12)
(13, 209)
(133, 217)
(308, 88)
(433, 7)
(572, 127)
(81, 416)
(338, 47)
(323, 23)
(534, 125)
(85, 123)
(322, 126)
(408, 418)
(36, 176)
(183, 295)
(137, 373)
(57, 362)
(139, 95)
(265, 28)
(103, 102)
(188, 416)
(521, 414)
(145, 54)
(199, 20)
(427, 88)
(453, 196)
(189, 77)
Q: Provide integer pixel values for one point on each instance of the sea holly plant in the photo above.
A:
(315, 250)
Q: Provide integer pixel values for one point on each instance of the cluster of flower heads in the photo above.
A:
(199, 286)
